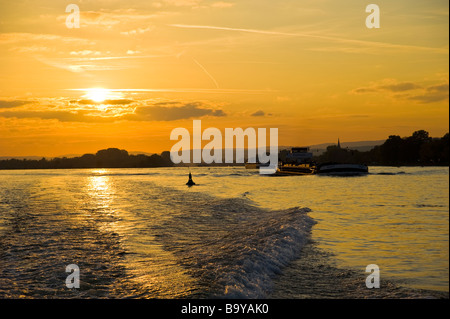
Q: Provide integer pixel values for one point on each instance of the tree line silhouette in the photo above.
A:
(108, 158)
(418, 149)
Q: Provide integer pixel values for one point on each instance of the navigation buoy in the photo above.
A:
(190, 181)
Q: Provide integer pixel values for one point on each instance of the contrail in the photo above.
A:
(188, 26)
(206, 71)
(315, 36)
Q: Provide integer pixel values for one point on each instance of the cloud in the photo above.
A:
(78, 65)
(182, 3)
(259, 113)
(191, 90)
(443, 88)
(194, 4)
(87, 60)
(109, 19)
(62, 116)
(408, 91)
(400, 87)
(133, 52)
(171, 112)
(6, 104)
(430, 97)
(137, 31)
(85, 52)
(222, 4)
(364, 90)
(17, 37)
(31, 49)
(392, 86)
(105, 102)
(145, 111)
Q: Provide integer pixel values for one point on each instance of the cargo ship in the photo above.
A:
(298, 161)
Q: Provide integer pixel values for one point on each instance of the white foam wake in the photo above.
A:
(234, 248)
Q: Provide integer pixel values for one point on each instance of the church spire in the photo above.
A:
(339, 143)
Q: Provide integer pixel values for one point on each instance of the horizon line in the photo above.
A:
(150, 152)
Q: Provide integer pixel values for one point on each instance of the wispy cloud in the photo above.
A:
(222, 4)
(195, 4)
(110, 19)
(78, 65)
(94, 63)
(189, 90)
(172, 112)
(388, 85)
(260, 113)
(6, 104)
(407, 91)
(105, 102)
(27, 37)
(62, 116)
(137, 31)
(130, 55)
(109, 111)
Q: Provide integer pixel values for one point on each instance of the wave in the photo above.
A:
(240, 174)
(391, 173)
(231, 174)
(261, 254)
(123, 174)
(427, 205)
(234, 248)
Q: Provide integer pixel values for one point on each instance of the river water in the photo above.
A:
(142, 233)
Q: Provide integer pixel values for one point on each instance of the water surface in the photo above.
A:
(141, 233)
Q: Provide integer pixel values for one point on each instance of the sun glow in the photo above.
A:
(97, 94)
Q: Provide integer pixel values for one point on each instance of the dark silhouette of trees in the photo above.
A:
(109, 158)
(391, 152)
(112, 157)
(337, 154)
(417, 149)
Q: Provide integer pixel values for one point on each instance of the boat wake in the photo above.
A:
(390, 173)
(234, 249)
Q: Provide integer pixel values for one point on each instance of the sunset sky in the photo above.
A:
(137, 69)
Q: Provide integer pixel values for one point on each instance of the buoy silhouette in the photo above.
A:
(190, 181)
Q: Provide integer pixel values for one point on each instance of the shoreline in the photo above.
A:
(184, 166)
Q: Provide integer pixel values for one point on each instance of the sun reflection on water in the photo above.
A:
(99, 185)
(150, 268)
(101, 195)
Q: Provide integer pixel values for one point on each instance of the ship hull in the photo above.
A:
(342, 169)
(288, 170)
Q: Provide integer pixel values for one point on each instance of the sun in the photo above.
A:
(97, 94)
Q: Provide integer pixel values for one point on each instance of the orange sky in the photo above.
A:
(310, 68)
